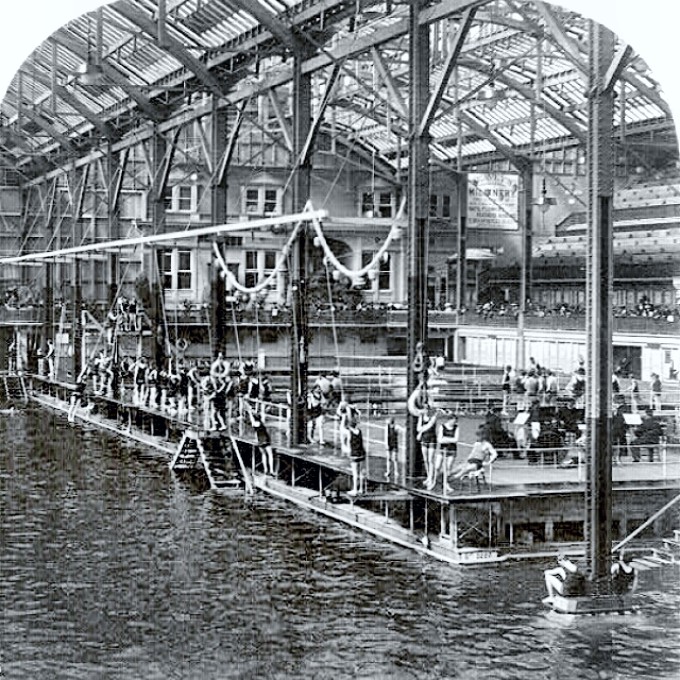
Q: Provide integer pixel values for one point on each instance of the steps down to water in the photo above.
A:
(212, 455)
(14, 388)
(668, 553)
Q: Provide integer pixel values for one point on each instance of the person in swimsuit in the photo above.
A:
(482, 453)
(447, 445)
(357, 456)
(264, 442)
(427, 436)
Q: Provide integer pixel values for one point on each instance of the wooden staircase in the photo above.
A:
(668, 553)
(215, 455)
(14, 388)
(212, 456)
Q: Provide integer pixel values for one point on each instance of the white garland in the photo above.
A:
(353, 274)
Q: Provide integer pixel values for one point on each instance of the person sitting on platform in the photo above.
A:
(648, 434)
(566, 579)
(357, 456)
(482, 453)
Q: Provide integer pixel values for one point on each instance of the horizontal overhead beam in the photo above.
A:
(304, 216)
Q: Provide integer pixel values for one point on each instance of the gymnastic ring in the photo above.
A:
(222, 373)
(182, 344)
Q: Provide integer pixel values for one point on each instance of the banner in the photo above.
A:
(493, 201)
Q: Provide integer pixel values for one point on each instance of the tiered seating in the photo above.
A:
(647, 195)
(657, 245)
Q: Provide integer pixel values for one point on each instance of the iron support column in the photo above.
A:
(302, 114)
(157, 193)
(526, 226)
(218, 214)
(419, 201)
(76, 324)
(599, 272)
(48, 310)
(461, 241)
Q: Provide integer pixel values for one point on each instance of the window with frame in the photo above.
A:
(382, 281)
(175, 269)
(378, 203)
(181, 198)
(262, 200)
(252, 269)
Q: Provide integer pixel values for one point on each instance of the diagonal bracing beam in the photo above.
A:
(449, 65)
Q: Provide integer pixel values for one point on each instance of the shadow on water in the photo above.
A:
(114, 568)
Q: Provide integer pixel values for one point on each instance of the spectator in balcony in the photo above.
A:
(619, 431)
(551, 388)
(520, 390)
(634, 390)
(531, 385)
(655, 396)
(506, 387)
(648, 434)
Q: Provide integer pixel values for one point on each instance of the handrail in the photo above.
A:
(646, 523)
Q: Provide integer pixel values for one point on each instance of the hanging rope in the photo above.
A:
(333, 325)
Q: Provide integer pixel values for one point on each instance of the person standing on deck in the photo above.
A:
(447, 445)
(139, 381)
(427, 436)
(391, 450)
(264, 442)
(49, 358)
(78, 392)
(357, 456)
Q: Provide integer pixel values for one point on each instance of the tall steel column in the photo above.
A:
(218, 214)
(526, 227)
(599, 271)
(302, 116)
(461, 241)
(157, 194)
(77, 322)
(418, 210)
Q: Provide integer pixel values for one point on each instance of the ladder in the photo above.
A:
(187, 454)
(219, 469)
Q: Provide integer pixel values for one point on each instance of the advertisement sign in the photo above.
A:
(493, 201)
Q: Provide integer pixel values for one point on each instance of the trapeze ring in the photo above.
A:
(182, 344)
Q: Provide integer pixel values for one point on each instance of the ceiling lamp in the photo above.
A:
(545, 202)
(90, 74)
